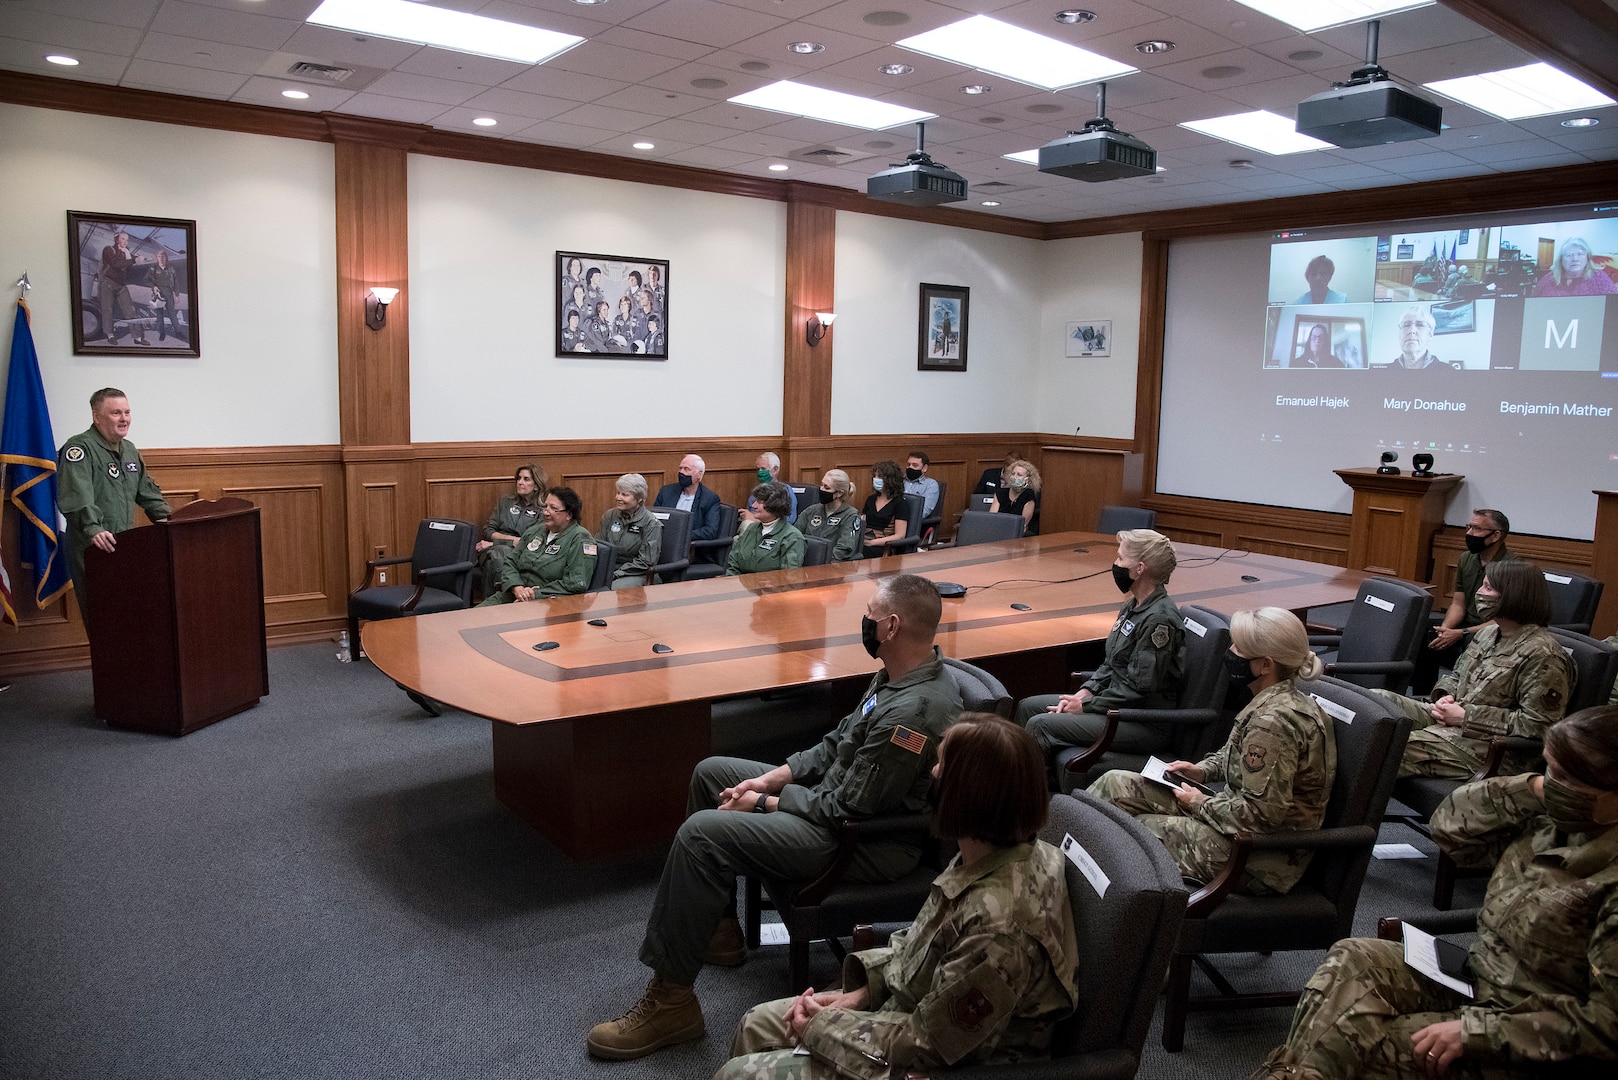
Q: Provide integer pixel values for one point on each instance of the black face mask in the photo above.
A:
(825, 496)
(868, 636)
(1476, 544)
(912, 474)
(686, 480)
(1120, 578)
(1239, 668)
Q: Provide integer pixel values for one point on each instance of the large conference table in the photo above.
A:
(595, 736)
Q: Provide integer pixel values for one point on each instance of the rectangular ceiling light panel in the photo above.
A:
(1517, 93)
(991, 45)
(1312, 15)
(1263, 131)
(800, 99)
(423, 24)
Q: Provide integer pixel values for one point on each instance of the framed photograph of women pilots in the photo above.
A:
(134, 284)
(941, 337)
(612, 305)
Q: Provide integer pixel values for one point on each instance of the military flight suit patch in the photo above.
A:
(75, 453)
(1255, 758)
(589, 549)
(533, 545)
(1553, 697)
(1160, 637)
(113, 470)
(970, 1009)
(913, 741)
(1128, 627)
(132, 467)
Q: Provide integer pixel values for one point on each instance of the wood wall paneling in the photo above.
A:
(1077, 484)
(811, 259)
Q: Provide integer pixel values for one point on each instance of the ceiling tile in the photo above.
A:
(69, 34)
(381, 107)
(704, 22)
(148, 75)
(213, 55)
(398, 84)
(261, 90)
(230, 25)
(503, 102)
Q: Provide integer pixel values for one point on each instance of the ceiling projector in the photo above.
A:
(1369, 109)
(1099, 152)
(919, 181)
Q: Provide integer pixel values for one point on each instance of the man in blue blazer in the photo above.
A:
(689, 494)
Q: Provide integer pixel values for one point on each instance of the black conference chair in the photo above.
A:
(1319, 910)
(676, 544)
(1574, 599)
(1115, 519)
(816, 551)
(708, 557)
(443, 565)
(1386, 626)
(606, 563)
(808, 494)
(985, 503)
(982, 527)
(930, 523)
(829, 907)
(912, 537)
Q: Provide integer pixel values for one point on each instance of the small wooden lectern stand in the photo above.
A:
(1394, 520)
(176, 620)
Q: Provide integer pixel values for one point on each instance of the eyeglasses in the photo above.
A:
(1481, 530)
(1406, 324)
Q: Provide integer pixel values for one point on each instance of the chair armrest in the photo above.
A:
(1080, 678)
(1372, 667)
(903, 545)
(1446, 922)
(716, 542)
(673, 570)
(1211, 895)
(1103, 743)
(1325, 641)
(372, 564)
(1499, 746)
(849, 836)
(447, 568)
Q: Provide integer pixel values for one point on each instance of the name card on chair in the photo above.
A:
(1195, 627)
(1331, 708)
(441, 526)
(1098, 879)
(1559, 579)
(1377, 601)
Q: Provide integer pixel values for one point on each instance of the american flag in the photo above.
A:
(913, 741)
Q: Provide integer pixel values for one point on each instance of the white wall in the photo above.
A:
(1087, 279)
(483, 243)
(266, 262)
(876, 389)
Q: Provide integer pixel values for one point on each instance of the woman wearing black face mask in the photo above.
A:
(1512, 680)
(1142, 667)
(833, 517)
(1545, 963)
(1277, 765)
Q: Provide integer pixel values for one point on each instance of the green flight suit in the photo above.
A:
(638, 539)
(1142, 670)
(982, 976)
(878, 760)
(1278, 766)
(756, 550)
(1507, 686)
(1544, 966)
(97, 489)
(841, 527)
(558, 566)
(513, 517)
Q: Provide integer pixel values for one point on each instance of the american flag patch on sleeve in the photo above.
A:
(913, 741)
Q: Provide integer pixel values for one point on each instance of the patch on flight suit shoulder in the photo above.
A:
(113, 470)
(1256, 757)
(533, 545)
(132, 466)
(74, 453)
(589, 549)
(1128, 627)
(1553, 697)
(814, 523)
(913, 741)
(1160, 637)
(970, 1009)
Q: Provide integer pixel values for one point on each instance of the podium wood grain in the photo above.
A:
(594, 740)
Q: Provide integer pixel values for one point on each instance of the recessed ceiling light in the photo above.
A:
(484, 121)
(1156, 45)
(1262, 130)
(457, 31)
(896, 69)
(295, 95)
(1242, 163)
(778, 167)
(1520, 92)
(800, 99)
(589, 3)
(1312, 15)
(644, 145)
(806, 47)
(1581, 122)
(65, 61)
(1074, 15)
(975, 88)
(990, 202)
(991, 45)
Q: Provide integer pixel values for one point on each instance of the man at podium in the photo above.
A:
(100, 478)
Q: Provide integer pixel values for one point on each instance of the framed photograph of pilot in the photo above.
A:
(941, 336)
(612, 305)
(134, 284)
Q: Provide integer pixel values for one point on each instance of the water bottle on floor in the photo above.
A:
(344, 655)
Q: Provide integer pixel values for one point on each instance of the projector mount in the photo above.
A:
(1372, 72)
(1100, 123)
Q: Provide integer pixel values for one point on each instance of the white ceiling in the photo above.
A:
(661, 70)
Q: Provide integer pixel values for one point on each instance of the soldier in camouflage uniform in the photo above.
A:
(832, 518)
(748, 818)
(1512, 680)
(1143, 664)
(987, 968)
(557, 557)
(1544, 966)
(633, 532)
(769, 541)
(100, 479)
(1278, 764)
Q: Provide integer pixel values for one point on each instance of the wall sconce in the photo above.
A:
(376, 306)
(816, 328)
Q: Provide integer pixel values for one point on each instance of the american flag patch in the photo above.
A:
(913, 741)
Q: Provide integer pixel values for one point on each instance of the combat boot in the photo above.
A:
(666, 1014)
(728, 946)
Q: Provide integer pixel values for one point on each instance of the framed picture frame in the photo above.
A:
(1092, 337)
(635, 293)
(941, 336)
(134, 285)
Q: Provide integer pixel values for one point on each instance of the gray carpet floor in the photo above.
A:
(325, 886)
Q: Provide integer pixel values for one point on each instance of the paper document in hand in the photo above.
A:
(1157, 769)
(1421, 953)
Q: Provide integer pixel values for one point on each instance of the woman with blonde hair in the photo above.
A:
(1277, 765)
(1019, 494)
(1575, 273)
(834, 517)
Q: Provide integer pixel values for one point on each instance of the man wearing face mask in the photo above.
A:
(688, 493)
(917, 482)
(746, 817)
(768, 466)
(1486, 534)
(1542, 966)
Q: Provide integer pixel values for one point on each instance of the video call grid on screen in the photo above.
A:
(1490, 341)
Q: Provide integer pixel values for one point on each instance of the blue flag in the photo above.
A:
(28, 458)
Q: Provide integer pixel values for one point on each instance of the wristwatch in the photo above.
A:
(763, 805)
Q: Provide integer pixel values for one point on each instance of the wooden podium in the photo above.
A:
(176, 620)
(1394, 520)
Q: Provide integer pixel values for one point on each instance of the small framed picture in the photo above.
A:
(612, 305)
(941, 337)
(1093, 338)
(134, 284)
